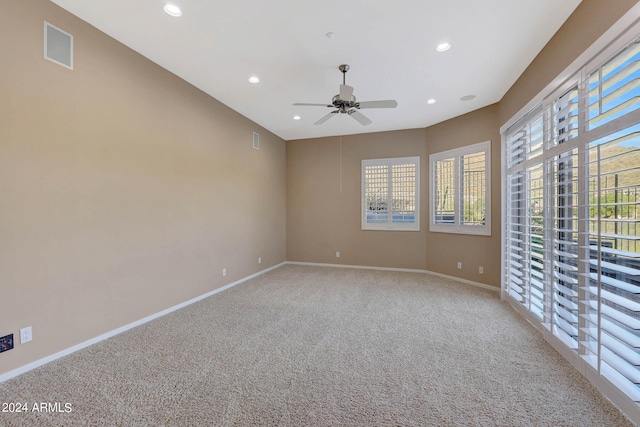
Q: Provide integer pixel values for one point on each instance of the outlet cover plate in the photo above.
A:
(26, 335)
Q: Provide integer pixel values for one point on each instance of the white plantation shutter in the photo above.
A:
(614, 259)
(563, 118)
(404, 191)
(525, 209)
(516, 237)
(536, 240)
(613, 87)
(612, 294)
(376, 182)
(563, 191)
(460, 190)
(473, 189)
(572, 217)
(535, 132)
(444, 188)
(525, 139)
(515, 148)
(390, 194)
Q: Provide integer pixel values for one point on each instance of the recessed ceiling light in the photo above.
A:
(467, 98)
(442, 47)
(296, 117)
(431, 101)
(254, 79)
(330, 35)
(172, 10)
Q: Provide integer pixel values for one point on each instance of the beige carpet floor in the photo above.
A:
(314, 346)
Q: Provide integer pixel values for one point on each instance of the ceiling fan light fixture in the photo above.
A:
(173, 10)
(254, 79)
(443, 47)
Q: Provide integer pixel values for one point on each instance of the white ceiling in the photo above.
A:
(390, 46)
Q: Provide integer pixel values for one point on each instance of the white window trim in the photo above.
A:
(457, 153)
(390, 226)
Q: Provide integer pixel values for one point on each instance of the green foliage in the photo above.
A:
(615, 205)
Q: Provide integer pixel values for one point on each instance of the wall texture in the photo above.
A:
(125, 190)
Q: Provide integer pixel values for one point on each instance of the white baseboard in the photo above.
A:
(465, 281)
(362, 267)
(21, 370)
(406, 270)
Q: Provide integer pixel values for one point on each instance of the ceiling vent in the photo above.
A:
(256, 140)
(58, 46)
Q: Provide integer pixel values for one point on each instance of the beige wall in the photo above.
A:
(444, 250)
(323, 201)
(125, 190)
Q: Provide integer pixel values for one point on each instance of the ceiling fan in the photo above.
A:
(346, 103)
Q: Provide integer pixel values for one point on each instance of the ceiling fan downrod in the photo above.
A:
(344, 68)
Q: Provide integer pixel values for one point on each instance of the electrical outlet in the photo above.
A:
(259, 260)
(338, 254)
(224, 272)
(459, 265)
(6, 343)
(481, 270)
(26, 335)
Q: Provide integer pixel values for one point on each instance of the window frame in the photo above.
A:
(457, 154)
(590, 298)
(389, 225)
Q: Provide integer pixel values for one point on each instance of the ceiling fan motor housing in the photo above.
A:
(343, 105)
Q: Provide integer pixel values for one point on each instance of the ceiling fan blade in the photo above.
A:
(360, 118)
(304, 104)
(388, 103)
(346, 92)
(325, 118)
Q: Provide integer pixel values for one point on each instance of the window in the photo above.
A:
(572, 217)
(390, 194)
(461, 190)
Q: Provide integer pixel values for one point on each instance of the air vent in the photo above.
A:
(256, 140)
(58, 46)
